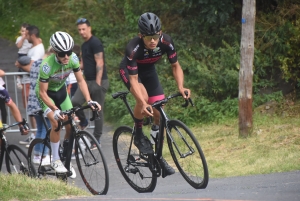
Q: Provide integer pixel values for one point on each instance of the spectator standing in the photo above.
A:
(35, 53)
(92, 62)
(23, 46)
(33, 105)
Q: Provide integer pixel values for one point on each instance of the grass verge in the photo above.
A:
(20, 187)
(273, 147)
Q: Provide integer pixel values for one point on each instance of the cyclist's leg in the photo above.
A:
(66, 104)
(155, 93)
(58, 98)
(140, 141)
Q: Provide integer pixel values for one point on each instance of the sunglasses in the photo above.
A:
(150, 37)
(63, 54)
(81, 20)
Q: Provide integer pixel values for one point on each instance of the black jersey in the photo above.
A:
(89, 49)
(139, 60)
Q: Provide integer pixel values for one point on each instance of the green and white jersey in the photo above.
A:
(55, 73)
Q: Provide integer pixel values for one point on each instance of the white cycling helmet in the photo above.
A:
(61, 42)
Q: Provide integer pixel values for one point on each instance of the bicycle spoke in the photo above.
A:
(91, 164)
(134, 168)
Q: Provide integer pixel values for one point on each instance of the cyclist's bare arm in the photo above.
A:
(16, 114)
(179, 77)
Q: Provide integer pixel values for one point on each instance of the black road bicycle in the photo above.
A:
(90, 162)
(140, 170)
(15, 158)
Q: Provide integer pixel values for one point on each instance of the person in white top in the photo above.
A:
(35, 53)
(23, 46)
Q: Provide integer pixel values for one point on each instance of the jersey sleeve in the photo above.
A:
(75, 62)
(131, 55)
(170, 48)
(45, 70)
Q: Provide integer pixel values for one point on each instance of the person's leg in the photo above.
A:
(25, 95)
(73, 89)
(40, 133)
(98, 94)
(78, 100)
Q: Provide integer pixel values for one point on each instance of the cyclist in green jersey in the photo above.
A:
(51, 89)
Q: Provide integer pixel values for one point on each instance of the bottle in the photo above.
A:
(153, 133)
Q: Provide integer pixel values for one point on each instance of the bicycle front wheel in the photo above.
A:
(91, 163)
(39, 154)
(133, 168)
(16, 161)
(187, 154)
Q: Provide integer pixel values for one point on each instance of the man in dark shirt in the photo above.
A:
(92, 62)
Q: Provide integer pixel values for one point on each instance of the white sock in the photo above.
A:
(54, 148)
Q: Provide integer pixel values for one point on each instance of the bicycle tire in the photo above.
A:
(37, 169)
(16, 160)
(91, 163)
(193, 167)
(145, 180)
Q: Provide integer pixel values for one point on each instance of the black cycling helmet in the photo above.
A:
(149, 24)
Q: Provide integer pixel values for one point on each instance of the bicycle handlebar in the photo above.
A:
(123, 94)
(165, 100)
(23, 123)
(72, 111)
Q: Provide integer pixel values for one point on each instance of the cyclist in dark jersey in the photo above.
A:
(137, 70)
(12, 106)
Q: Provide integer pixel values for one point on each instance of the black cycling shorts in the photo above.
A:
(149, 79)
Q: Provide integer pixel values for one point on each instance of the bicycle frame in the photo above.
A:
(4, 143)
(163, 125)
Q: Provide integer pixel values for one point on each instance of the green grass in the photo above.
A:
(273, 147)
(20, 187)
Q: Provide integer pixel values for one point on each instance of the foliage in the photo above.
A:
(206, 35)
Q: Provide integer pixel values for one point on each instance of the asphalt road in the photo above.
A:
(270, 187)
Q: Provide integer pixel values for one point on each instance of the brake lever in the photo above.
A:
(59, 122)
(187, 101)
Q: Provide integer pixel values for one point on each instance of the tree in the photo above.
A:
(246, 68)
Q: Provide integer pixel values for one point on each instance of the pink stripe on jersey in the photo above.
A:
(152, 99)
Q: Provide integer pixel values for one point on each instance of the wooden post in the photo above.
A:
(246, 68)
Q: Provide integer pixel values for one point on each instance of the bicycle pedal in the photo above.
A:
(61, 174)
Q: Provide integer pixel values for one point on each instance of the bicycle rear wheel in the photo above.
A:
(16, 161)
(187, 154)
(91, 163)
(133, 168)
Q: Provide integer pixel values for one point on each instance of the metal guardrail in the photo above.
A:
(10, 80)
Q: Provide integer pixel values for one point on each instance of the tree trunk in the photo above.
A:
(246, 68)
